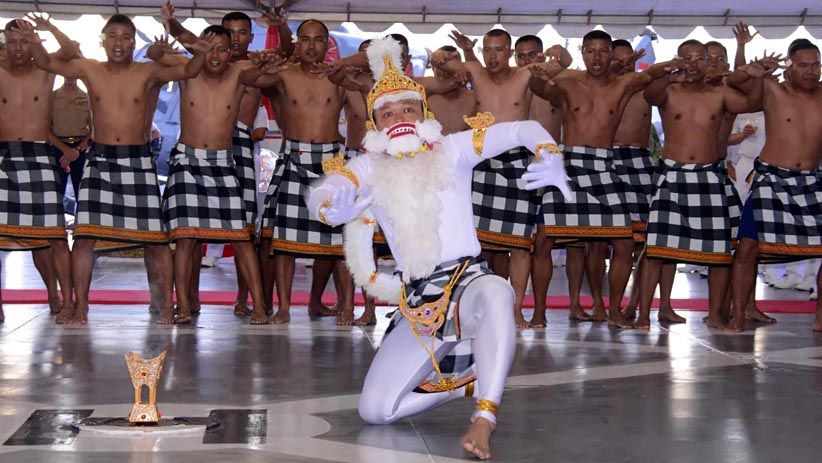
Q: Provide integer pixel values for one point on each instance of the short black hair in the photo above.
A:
(120, 19)
(598, 35)
(529, 38)
(236, 16)
(313, 21)
(403, 40)
(448, 48)
(499, 33)
(691, 42)
(799, 45)
(11, 26)
(714, 43)
(621, 43)
(218, 30)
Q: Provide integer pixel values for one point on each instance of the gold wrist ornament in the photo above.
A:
(487, 406)
(479, 124)
(320, 215)
(550, 148)
(336, 165)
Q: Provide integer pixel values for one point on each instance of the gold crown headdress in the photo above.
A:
(391, 84)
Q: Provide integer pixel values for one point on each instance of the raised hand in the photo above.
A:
(274, 63)
(40, 20)
(743, 34)
(440, 57)
(204, 44)
(462, 41)
(345, 206)
(164, 44)
(327, 68)
(27, 31)
(167, 12)
(271, 17)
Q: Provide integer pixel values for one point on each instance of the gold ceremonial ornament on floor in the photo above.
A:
(144, 372)
(479, 124)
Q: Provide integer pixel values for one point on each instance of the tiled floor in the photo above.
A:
(577, 392)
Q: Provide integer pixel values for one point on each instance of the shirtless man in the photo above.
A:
(121, 169)
(685, 225)
(452, 107)
(781, 217)
(240, 27)
(595, 98)
(527, 50)
(504, 213)
(28, 180)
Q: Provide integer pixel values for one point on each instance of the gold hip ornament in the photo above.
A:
(144, 372)
(426, 319)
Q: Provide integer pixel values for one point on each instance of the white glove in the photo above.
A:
(548, 172)
(345, 206)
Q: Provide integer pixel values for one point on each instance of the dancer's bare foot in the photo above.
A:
(643, 323)
(346, 318)
(716, 322)
(579, 315)
(55, 306)
(758, 316)
(2, 315)
(80, 316)
(153, 310)
(668, 315)
(538, 320)
(269, 310)
(368, 318)
(629, 312)
(317, 312)
(737, 324)
(183, 316)
(817, 324)
(166, 316)
(258, 318)
(519, 320)
(195, 308)
(477, 440)
(282, 316)
(241, 310)
(600, 315)
(616, 319)
(66, 314)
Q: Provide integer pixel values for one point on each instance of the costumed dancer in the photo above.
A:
(416, 184)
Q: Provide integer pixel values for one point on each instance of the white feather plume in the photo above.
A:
(377, 50)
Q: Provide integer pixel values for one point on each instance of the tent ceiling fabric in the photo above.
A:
(670, 18)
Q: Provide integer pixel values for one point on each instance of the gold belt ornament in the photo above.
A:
(479, 124)
(426, 319)
(336, 165)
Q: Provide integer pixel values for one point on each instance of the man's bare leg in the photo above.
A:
(249, 269)
(184, 261)
(595, 269)
(155, 292)
(817, 323)
(320, 274)
(241, 302)
(2, 315)
(719, 277)
(44, 263)
(666, 286)
(630, 310)
(61, 258)
(345, 293)
(284, 271)
(649, 279)
(519, 268)
(163, 277)
(618, 274)
(752, 312)
(82, 264)
(194, 281)
(542, 270)
(743, 272)
(268, 271)
(575, 271)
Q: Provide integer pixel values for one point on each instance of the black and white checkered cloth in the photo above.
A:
(458, 363)
(286, 220)
(599, 208)
(694, 214)
(635, 168)
(243, 152)
(504, 211)
(787, 210)
(31, 205)
(119, 203)
(203, 199)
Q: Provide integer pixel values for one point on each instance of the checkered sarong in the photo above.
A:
(635, 169)
(286, 220)
(243, 152)
(504, 211)
(31, 205)
(694, 214)
(119, 203)
(787, 211)
(202, 199)
(599, 208)
(458, 363)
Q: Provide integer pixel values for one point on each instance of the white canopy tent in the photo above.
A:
(671, 19)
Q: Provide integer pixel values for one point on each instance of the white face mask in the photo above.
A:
(403, 138)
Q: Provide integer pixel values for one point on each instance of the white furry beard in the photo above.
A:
(377, 141)
(407, 190)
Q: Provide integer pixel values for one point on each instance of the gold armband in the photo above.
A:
(336, 165)
(487, 406)
(479, 124)
(368, 221)
(550, 148)
(373, 277)
(325, 203)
